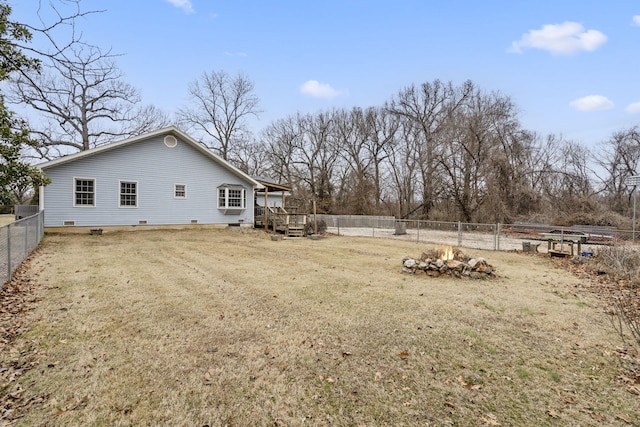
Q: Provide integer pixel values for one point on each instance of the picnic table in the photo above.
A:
(571, 240)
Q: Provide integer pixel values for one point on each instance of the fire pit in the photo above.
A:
(448, 262)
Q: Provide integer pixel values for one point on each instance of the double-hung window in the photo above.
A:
(128, 194)
(84, 192)
(232, 197)
(180, 191)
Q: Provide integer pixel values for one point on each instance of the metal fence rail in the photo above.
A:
(359, 221)
(17, 241)
(481, 236)
(472, 235)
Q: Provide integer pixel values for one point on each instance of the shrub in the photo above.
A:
(623, 264)
(309, 229)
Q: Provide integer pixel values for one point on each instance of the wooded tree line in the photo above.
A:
(445, 152)
(434, 150)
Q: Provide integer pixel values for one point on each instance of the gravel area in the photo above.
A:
(469, 240)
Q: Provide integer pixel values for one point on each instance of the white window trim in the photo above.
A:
(170, 141)
(175, 190)
(73, 194)
(226, 189)
(137, 193)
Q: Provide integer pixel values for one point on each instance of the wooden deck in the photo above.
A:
(279, 220)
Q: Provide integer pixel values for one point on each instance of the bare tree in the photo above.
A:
(219, 107)
(54, 29)
(428, 108)
(404, 165)
(352, 136)
(303, 151)
(511, 172)
(144, 119)
(251, 157)
(316, 157)
(18, 56)
(361, 137)
(77, 99)
(83, 102)
(280, 142)
(473, 137)
(383, 128)
(620, 159)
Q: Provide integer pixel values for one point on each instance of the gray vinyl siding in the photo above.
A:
(156, 169)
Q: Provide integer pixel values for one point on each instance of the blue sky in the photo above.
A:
(572, 68)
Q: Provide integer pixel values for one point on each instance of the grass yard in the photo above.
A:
(7, 219)
(222, 327)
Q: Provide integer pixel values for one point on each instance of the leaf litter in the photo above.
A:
(17, 356)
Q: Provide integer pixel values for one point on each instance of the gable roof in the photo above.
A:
(271, 185)
(172, 130)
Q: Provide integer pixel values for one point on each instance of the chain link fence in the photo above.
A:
(17, 240)
(481, 236)
(473, 235)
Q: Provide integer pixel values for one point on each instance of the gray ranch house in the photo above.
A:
(157, 179)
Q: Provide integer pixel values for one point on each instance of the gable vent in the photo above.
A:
(170, 141)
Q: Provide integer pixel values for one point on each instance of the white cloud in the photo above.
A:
(182, 4)
(560, 39)
(633, 108)
(592, 103)
(319, 90)
(240, 54)
(636, 20)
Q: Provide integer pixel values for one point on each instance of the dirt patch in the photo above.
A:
(221, 327)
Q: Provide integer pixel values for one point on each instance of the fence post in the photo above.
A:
(459, 234)
(8, 252)
(498, 231)
(26, 238)
(338, 225)
(418, 237)
(495, 237)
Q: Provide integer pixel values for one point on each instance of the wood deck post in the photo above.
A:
(315, 219)
(265, 217)
(274, 218)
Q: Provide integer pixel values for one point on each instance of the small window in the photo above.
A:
(230, 197)
(128, 194)
(84, 192)
(180, 191)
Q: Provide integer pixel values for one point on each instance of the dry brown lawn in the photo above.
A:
(7, 219)
(222, 327)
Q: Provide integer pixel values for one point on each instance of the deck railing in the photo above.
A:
(278, 218)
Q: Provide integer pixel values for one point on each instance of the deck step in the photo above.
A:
(295, 232)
